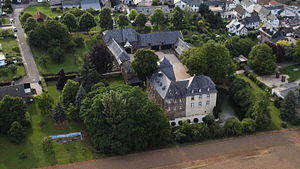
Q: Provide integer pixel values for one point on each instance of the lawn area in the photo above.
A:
(274, 112)
(8, 44)
(5, 21)
(53, 91)
(44, 8)
(20, 72)
(294, 75)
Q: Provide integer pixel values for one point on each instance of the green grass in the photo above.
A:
(53, 91)
(44, 8)
(294, 75)
(7, 47)
(274, 112)
(115, 81)
(20, 72)
(5, 21)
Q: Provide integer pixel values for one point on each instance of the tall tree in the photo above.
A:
(140, 20)
(87, 21)
(30, 24)
(80, 95)
(70, 21)
(24, 17)
(213, 60)
(16, 132)
(262, 59)
(45, 103)
(132, 14)
(69, 93)
(106, 21)
(62, 80)
(122, 120)
(59, 115)
(239, 46)
(145, 62)
(288, 107)
(11, 109)
(100, 58)
(203, 9)
(123, 21)
(233, 127)
(177, 17)
(158, 17)
(297, 51)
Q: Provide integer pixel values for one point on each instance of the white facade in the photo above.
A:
(181, 4)
(200, 104)
(237, 28)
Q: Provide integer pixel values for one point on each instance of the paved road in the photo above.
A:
(28, 60)
(276, 150)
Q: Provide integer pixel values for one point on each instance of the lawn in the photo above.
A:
(8, 44)
(294, 75)
(274, 112)
(53, 91)
(44, 8)
(20, 72)
(5, 21)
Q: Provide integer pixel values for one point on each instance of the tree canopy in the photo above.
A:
(140, 20)
(70, 21)
(122, 119)
(158, 17)
(45, 103)
(132, 14)
(177, 17)
(69, 93)
(123, 21)
(288, 107)
(100, 58)
(87, 21)
(30, 24)
(106, 21)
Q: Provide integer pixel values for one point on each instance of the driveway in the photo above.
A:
(33, 75)
(276, 150)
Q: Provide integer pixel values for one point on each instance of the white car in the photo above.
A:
(12, 20)
(15, 29)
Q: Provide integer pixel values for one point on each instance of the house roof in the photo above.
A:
(67, 3)
(2, 56)
(181, 46)
(240, 10)
(249, 20)
(166, 67)
(120, 35)
(119, 53)
(216, 3)
(246, 3)
(272, 17)
(190, 2)
(86, 4)
(55, 2)
(276, 7)
(277, 37)
(155, 39)
(273, 2)
(40, 15)
(264, 12)
(148, 10)
(15, 91)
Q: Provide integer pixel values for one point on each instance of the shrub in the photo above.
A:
(79, 41)
(12, 68)
(185, 32)
(22, 155)
(296, 121)
(284, 124)
(47, 145)
(233, 127)
(248, 125)
(16, 132)
(195, 37)
(16, 49)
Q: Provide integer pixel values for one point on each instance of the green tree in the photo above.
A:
(122, 21)
(11, 109)
(69, 93)
(239, 46)
(213, 60)
(140, 20)
(70, 21)
(16, 132)
(30, 24)
(87, 21)
(132, 14)
(288, 107)
(262, 60)
(209, 119)
(233, 127)
(80, 95)
(122, 119)
(62, 80)
(145, 62)
(7, 4)
(59, 115)
(177, 17)
(47, 145)
(100, 58)
(106, 21)
(297, 51)
(158, 17)
(45, 103)
(248, 125)
(203, 9)
(24, 17)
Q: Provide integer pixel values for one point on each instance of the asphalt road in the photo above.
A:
(276, 150)
(33, 75)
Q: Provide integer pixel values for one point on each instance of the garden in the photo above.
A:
(292, 71)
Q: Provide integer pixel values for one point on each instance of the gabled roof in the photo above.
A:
(165, 38)
(148, 10)
(252, 19)
(280, 7)
(16, 91)
(86, 4)
(55, 2)
(40, 15)
(216, 3)
(240, 10)
(277, 37)
(67, 3)
(119, 53)
(120, 35)
(166, 67)
(264, 12)
(189, 2)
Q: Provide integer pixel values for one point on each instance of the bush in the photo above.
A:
(233, 127)
(185, 32)
(296, 121)
(248, 125)
(79, 41)
(47, 145)
(22, 156)
(16, 132)
(284, 124)
(12, 68)
(195, 37)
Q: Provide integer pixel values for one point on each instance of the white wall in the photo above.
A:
(203, 109)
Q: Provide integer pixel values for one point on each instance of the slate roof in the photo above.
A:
(240, 10)
(69, 3)
(15, 91)
(264, 12)
(119, 53)
(148, 10)
(170, 89)
(252, 19)
(221, 3)
(190, 2)
(181, 46)
(55, 2)
(247, 3)
(166, 38)
(86, 4)
(166, 67)
(120, 35)
(277, 37)
(274, 7)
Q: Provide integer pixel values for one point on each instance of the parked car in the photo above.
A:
(12, 20)
(15, 29)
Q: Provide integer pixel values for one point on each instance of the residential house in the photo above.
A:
(228, 15)
(70, 4)
(127, 2)
(273, 20)
(192, 5)
(22, 90)
(142, 2)
(86, 4)
(283, 90)
(240, 12)
(275, 10)
(236, 28)
(247, 5)
(148, 10)
(216, 4)
(271, 34)
(106, 3)
(2, 60)
(40, 17)
(251, 23)
(189, 99)
(55, 3)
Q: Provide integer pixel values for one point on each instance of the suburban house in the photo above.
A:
(275, 10)
(240, 12)
(40, 17)
(192, 5)
(236, 28)
(180, 95)
(86, 4)
(271, 34)
(22, 90)
(189, 99)
(283, 90)
(251, 22)
(228, 15)
(148, 10)
(2, 60)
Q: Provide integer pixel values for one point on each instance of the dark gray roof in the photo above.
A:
(166, 67)
(67, 3)
(15, 91)
(264, 11)
(118, 52)
(120, 35)
(86, 4)
(220, 3)
(55, 2)
(240, 10)
(166, 38)
(148, 10)
(190, 2)
(127, 67)
(277, 37)
(274, 7)
(252, 19)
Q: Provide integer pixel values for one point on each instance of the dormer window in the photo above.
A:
(208, 89)
(199, 90)
(192, 91)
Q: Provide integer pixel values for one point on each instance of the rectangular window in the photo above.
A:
(192, 98)
(200, 104)
(208, 96)
(207, 102)
(192, 105)
(200, 97)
